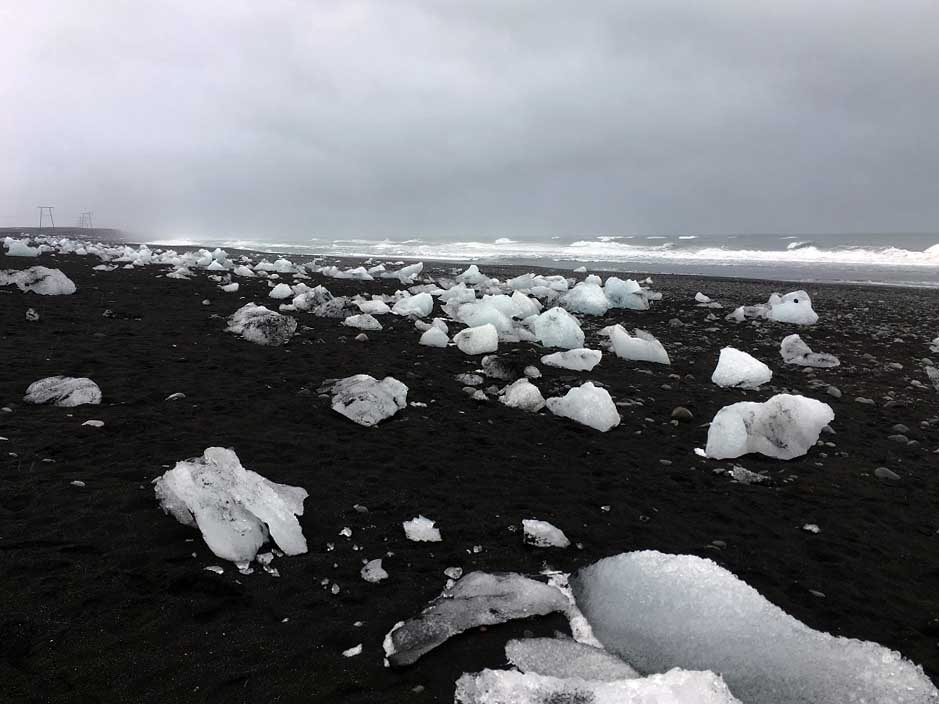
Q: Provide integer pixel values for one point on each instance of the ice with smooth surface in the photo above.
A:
(20, 248)
(524, 395)
(422, 530)
(641, 347)
(784, 427)
(373, 307)
(586, 404)
(578, 360)
(234, 508)
(740, 370)
(364, 321)
(63, 391)
(476, 599)
(543, 534)
(420, 305)
(794, 350)
(659, 611)
(281, 291)
(40, 280)
(794, 307)
(587, 298)
(262, 326)
(566, 658)
(512, 687)
(558, 328)
(365, 400)
(478, 340)
(626, 294)
(434, 337)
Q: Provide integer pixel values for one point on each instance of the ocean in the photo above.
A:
(896, 259)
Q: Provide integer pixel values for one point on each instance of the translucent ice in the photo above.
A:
(365, 400)
(261, 326)
(543, 534)
(558, 328)
(587, 404)
(523, 394)
(565, 658)
(643, 347)
(40, 280)
(580, 360)
(794, 351)
(478, 340)
(587, 298)
(434, 337)
(739, 369)
(626, 294)
(364, 321)
(420, 305)
(794, 307)
(421, 530)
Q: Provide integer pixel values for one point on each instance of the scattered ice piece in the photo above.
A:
(422, 530)
(659, 611)
(811, 528)
(214, 568)
(795, 307)
(580, 359)
(794, 351)
(32, 316)
(745, 476)
(420, 305)
(783, 427)
(453, 572)
(587, 404)
(176, 396)
(626, 294)
(643, 347)
(353, 651)
(740, 370)
(19, 248)
(363, 321)
(63, 391)
(544, 535)
(558, 328)
(580, 270)
(77, 482)
(588, 298)
(523, 394)
(94, 423)
(478, 340)
(373, 571)
(261, 326)
(346, 532)
(234, 508)
(566, 658)
(367, 401)
(281, 291)
(469, 379)
(434, 337)
(373, 307)
(39, 280)
(477, 599)
(701, 298)
(230, 288)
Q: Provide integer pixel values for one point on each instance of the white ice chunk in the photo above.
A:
(373, 572)
(783, 427)
(587, 298)
(472, 276)
(421, 530)
(478, 340)
(701, 298)
(434, 337)
(244, 270)
(543, 534)
(558, 328)
(234, 508)
(587, 404)
(565, 658)
(795, 307)
(420, 305)
(63, 391)
(230, 288)
(659, 611)
(626, 294)
(739, 369)
(580, 360)
(643, 347)
(794, 351)
(373, 307)
(365, 400)
(281, 291)
(20, 248)
(362, 322)
(523, 394)
(261, 326)
(40, 280)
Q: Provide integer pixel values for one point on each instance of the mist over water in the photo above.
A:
(902, 259)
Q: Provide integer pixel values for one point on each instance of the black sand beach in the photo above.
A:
(106, 599)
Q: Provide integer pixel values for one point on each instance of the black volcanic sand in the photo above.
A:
(105, 598)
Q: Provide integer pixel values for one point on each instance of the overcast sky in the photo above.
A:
(285, 120)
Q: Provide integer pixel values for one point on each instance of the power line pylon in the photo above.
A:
(86, 219)
(43, 209)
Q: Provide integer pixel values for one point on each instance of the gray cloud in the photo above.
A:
(483, 119)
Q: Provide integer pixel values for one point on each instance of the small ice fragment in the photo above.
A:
(373, 571)
(214, 568)
(422, 529)
(352, 652)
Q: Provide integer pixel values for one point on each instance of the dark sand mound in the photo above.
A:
(105, 598)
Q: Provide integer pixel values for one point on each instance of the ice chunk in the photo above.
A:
(245, 271)
(644, 347)
(580, 360)
(40, 280)
(234, 508)
(626, 294)
(934, 345)
(565, 658)
(420, 305)
(472, 276)
(587, 298)
(659, 611)
(230, 288)
(421, 530)
(373, 572)
(63, 391)
(783, 427)
(281, 291)
(313, 298)
(367, 401)
(587, 404)
(476, 599)
(558, 328)
(479, 340)
(523, 394)
(740, 370)
(524, 306)
(434, 337)
(373, 307)
(794, 351)
(20, 248)
(543, 535)
(261, 326)
(511, 687)
(795, 307)
(362, 322)
(701, 298)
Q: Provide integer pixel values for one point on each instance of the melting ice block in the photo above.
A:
(783, 427)
(476, 599)
(558, 328)
(794, 307)
(40, 280)
(740, 370)
(588, 298)
(511, 687)
(543, 534)
(280, 291)
(523, 394)
(262, 326)
(478, 340)
(365, 400)
(19, 248)
(434, 337)
(566, 658)
(422, 530)
(643, 347)
(626, 294)
(586, 404)
(420, 305)
(63, 391)
(794, 351)
(579, 360)
(659, 611)
(364, 321)
(234, 508)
